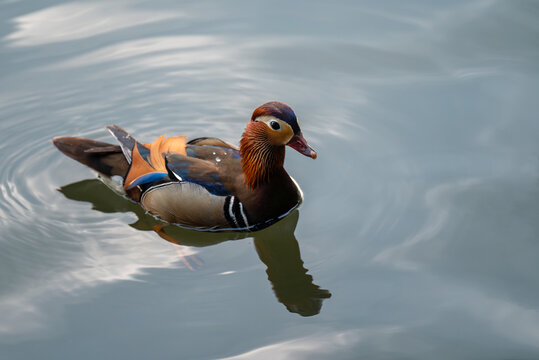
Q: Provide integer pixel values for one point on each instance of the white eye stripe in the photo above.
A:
(269, 120)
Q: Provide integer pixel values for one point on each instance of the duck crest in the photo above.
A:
(280, 111)
(259, 158)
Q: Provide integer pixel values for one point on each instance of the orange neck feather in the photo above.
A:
(259, 158)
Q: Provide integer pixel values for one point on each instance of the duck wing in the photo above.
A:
(197, 193)
(212, 141)
(216, 168)
(191, 184)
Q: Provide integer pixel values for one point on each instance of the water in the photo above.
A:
(421, 213)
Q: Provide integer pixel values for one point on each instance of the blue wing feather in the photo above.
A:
(197, 171)
(147, 178)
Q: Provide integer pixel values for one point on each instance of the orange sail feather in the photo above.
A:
(140, 167)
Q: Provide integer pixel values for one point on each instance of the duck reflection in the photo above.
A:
(276, 245)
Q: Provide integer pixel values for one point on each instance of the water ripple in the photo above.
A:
(49, 246)
(75, 21)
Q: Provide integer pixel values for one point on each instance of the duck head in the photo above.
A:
(273, 126)
(282, 127)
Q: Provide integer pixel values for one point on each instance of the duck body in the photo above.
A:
(205, 183)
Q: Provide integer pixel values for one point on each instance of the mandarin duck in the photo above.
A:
(205, 183)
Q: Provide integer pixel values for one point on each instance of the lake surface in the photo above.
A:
(419, 234)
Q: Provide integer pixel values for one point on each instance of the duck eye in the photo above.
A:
(275, 125)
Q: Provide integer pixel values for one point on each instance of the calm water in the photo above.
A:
(421, 214)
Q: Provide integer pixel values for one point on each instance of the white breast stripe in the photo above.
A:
(243, 215)
(177, 176)
(232, 212)
(299, 189)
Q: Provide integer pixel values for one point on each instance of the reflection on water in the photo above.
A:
(279, 250)
(75, 21)
(276, 246)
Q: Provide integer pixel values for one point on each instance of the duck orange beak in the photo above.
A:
(299, 144)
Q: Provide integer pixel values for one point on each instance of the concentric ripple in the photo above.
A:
(51, 244)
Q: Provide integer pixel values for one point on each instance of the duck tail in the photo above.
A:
(105, 158)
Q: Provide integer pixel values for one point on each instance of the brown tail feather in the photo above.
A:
(105, 158)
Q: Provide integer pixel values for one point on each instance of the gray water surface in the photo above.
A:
(419, 234)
